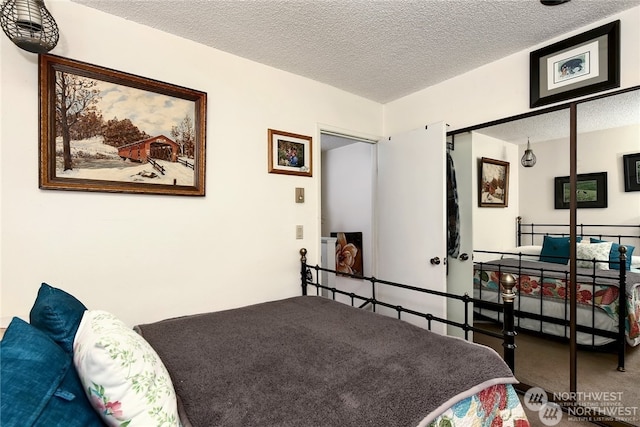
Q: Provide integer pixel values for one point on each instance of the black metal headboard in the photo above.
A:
(533, 234)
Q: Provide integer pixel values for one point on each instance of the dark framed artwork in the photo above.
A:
(591, 191)
(631, 166)
(109, 131)
(349, 253)
(289, 153)
(493, 188)
(580, 65)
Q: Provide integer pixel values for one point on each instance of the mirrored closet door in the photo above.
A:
(543, 317)
(577, 199)
(608, 362)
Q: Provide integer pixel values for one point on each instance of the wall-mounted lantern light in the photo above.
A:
(29, 25)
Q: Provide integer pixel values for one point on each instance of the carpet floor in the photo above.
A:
(544, 363)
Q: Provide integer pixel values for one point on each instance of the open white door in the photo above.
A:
(410, 219)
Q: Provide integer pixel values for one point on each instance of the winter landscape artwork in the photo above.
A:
(494, 183)
(105, 130)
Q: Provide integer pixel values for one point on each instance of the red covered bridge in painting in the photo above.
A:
(157, 147)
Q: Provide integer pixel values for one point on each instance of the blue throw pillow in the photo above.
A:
(58, 314)
(614, 255)
(39, 386)
(555, 249)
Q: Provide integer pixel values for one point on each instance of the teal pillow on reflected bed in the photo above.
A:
(57, 314)
(614, 255)
(39, 386)
(556, 249)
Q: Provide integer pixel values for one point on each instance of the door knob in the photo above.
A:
(464, 256)
(435, 260)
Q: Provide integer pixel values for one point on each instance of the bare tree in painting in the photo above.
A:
(185, 136)
(75, 97)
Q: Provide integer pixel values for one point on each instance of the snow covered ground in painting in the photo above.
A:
(96, 161)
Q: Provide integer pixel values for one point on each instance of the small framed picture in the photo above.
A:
(580, 65)
(493, 189)
(289, 153)
(631, 164)
(591, 191)
(348, 253)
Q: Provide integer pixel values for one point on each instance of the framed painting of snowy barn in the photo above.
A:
(493, 188)
(106, 130)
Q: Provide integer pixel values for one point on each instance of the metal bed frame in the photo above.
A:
(599, 231)
(308, 278)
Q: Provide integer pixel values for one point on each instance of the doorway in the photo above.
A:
(394, 192)
(347, 171)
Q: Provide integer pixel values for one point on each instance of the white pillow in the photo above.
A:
(122, 375)
(587, 252)
(635, 261)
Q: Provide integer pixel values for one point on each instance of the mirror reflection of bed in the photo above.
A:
(607, 128)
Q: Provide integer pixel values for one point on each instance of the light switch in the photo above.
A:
(299, 232)
(299, 195)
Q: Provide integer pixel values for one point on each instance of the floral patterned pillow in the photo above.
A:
(122, 375)
(587, 252)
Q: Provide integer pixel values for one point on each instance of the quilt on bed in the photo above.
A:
(495, 406)
(310, 361)
(553, 285)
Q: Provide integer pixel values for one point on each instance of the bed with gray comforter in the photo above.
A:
(310, 361)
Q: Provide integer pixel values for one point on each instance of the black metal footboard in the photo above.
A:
(586, 280)
(310, 277)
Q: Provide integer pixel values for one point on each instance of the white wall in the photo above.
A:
(494, 228)
(599, 151)
(531, 193)
(347, 180)
(347, 202)
(237, 245)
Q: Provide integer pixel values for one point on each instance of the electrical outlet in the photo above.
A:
(299, 232)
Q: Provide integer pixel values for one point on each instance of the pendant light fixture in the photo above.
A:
(29, 25)
(528, 159)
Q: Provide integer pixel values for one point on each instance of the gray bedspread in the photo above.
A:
(561, 271)
(312, 362)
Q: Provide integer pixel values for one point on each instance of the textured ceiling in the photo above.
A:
(379, 49)
(609, 112)
(620, 110)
